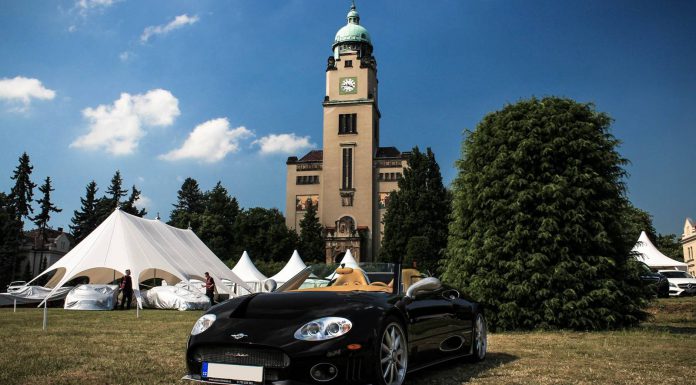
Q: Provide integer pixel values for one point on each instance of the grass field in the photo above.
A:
(116, 348)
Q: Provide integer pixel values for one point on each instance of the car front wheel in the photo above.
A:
(393, 354)
(480, 334)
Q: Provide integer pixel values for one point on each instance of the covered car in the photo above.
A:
(175, 298)
(92, 297)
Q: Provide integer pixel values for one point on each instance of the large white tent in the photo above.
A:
(648, 253)
(290, 270)
(149, 248)
(247, 271)
(349, 261)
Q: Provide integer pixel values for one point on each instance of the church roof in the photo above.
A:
(352, 31)
(313, 156)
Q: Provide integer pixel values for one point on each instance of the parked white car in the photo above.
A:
(15, 286)
(681, 283)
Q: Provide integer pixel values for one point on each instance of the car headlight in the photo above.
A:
(323, 329)
(203, 324)
(671, 284)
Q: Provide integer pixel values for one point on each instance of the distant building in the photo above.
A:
(51, 247)
(688, 242)
(351, 177)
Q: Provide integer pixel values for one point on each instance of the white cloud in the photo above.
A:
(86, 6)
(143, 202)
(210, 142)
(118, 128)
(125, 56)
(22, 90)
(178, 22)
(72, 28)
(283, 144)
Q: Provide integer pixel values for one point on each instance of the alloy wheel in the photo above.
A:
(393, 355)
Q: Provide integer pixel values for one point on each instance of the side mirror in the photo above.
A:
(424, 285)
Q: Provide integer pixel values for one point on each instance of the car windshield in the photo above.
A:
(370, 276)
(675, 274)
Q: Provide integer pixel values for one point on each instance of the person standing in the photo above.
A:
(209, 287)
(126, 289)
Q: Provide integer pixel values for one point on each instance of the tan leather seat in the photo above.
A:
(348, 276)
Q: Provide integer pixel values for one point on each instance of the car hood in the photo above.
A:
(271, 319)
(682, 280)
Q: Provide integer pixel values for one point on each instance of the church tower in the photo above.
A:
(344, 178)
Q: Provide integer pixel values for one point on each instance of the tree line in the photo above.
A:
(215, 217)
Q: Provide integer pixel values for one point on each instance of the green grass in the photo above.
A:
(115, 347)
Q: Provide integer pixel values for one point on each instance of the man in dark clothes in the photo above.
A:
(127, 289)
(209, 287)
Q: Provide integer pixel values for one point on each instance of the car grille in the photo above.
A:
(268, 358)
(684, 285)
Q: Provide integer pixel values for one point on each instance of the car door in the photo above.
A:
(430, 316)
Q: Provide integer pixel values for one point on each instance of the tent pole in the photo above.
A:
(45, 317)
(15, 305)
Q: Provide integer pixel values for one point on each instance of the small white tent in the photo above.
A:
(349, 261)
(648, 253)
(246, 270)
(291, 269)
(149, 248)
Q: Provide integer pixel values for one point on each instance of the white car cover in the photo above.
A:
(92, 297)
(32, 294)
(175, 298)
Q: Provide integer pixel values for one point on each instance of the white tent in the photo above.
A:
(652, 257)
(246, 270)
(294, 266)
(149, 248)
(349, 261)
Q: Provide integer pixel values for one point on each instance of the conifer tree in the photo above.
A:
(538, 212)
(263, 234)
(311, 242)
(129, 205)
(22, 192)
(85, 220)
(112, 199)
(47, 207)
(10, 236)
(217, 225)
(189, 207)
(419, 208)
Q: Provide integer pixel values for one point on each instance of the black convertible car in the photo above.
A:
(357, 328)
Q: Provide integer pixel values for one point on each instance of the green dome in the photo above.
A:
(352, 32)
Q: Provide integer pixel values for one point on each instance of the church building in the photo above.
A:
(350, 178)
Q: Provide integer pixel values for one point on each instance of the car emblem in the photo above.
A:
(238, 336)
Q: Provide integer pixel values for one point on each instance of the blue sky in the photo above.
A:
(227, 90)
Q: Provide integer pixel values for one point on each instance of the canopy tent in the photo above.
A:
(290, 270)
(648, 253)
(149, 248)
(246, 270)
(349, 261)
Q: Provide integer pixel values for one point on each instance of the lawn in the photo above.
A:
(117, 348)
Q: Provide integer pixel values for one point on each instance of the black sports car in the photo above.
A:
(360, 328)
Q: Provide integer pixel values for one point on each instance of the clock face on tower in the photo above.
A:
(348, 85)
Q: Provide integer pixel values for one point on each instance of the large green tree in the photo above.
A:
(311, 241)
(22, 192)
(538, 217)
(263, 234)
(10, 233)
(669, 245)
(86, 219)
(112, 199)
(189, 207)
(46, 207)
(129, 206)
(218, 220)
(418, 209)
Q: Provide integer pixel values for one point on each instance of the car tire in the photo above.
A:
(479, 334)
(392, 354)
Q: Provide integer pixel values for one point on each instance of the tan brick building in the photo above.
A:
(688, 242)
(351, 177)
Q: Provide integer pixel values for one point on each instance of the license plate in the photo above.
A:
(233, 374)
